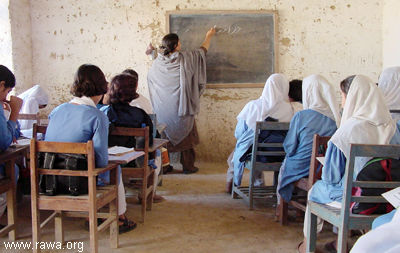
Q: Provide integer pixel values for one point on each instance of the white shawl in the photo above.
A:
(274, 102)
(319, 95)
(366, 118)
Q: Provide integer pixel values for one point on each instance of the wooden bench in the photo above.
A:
(268, 193)
(343, 218)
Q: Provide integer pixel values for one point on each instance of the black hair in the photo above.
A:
(169, 43)
(295, 90)
(131, 72)
(345, 84)
(89, 81)
(123, 89)
(7, 76)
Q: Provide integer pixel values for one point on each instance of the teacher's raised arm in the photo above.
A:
(206, 43)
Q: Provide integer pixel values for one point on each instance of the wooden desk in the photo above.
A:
(8, 185)
(158, 143)
(126, 158)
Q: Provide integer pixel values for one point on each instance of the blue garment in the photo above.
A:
(8, 130)
(81, 123)
(244, 139)
(330, 187)
(398, 125)
(383, 219)
(298, 147)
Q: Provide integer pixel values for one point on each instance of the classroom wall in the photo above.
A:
(5, 37)
(333, 38)
(391, 33)
(21, 34)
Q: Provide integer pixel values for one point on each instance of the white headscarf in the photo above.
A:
(274, 102)
(366, 118)
(32, 98)
(319, 95)
(383, 239)
(389, 83)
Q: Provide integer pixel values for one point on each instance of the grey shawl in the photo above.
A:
(176, 83)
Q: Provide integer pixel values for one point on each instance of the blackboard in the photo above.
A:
(242, 52)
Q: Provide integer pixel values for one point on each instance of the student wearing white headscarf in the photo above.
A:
(383, 239)
(389, 83)
(365, 120)
(320, 116)
(34, 99)
(273, 103)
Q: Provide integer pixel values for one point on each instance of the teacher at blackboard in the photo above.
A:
(176, 81)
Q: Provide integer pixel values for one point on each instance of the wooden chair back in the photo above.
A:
(343, 218)
(144, 173)
(250, 192)
(320, 145)
(26, 116)
(38, 129)
(64, 205)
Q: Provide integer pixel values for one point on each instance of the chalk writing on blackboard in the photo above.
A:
(243, 50)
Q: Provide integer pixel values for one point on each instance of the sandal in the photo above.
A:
(127, 225)
(299, 245)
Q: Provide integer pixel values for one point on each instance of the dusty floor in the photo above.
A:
(197, 216)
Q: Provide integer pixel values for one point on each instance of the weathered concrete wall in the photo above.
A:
(21, 33)
(333, 38)
(391, 33)
(5, 35)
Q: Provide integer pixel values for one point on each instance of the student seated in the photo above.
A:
(121, 92)
(34, 99)
(320, 116)
(389, 84)
(80, 121)
(273, 104)
(365, 120)
(8, 127)
(139, 101)
(295, 94)
(382, 239)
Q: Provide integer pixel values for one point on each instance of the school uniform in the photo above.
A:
(365, 120)
(320, 116)
(273, 103)
(80, 121)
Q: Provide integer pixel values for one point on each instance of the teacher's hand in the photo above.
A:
(210, 32)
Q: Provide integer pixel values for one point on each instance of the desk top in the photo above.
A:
(125, 158)
(13, 152)
(157, 143)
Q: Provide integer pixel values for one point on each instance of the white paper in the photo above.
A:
(321, 159)
(126, 158)
(118, 150)
(23, 142)
(393, 196)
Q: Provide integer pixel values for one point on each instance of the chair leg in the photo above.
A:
(93, 216)
(283, 212)
(11, 201)
(59, 230)
(114, 225)
(342, 240)
(251, 188)
(311, 232)
(35, 227)
(151, 194)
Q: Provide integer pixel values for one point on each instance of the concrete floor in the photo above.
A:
(197, 216)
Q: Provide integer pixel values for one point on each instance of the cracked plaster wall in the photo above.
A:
(333, 38)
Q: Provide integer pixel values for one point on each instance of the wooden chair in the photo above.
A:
(144, 173)
(71, 206)
(343, 218)
(26, 116)
(38, 129)
(319, 147)
(250, 192)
